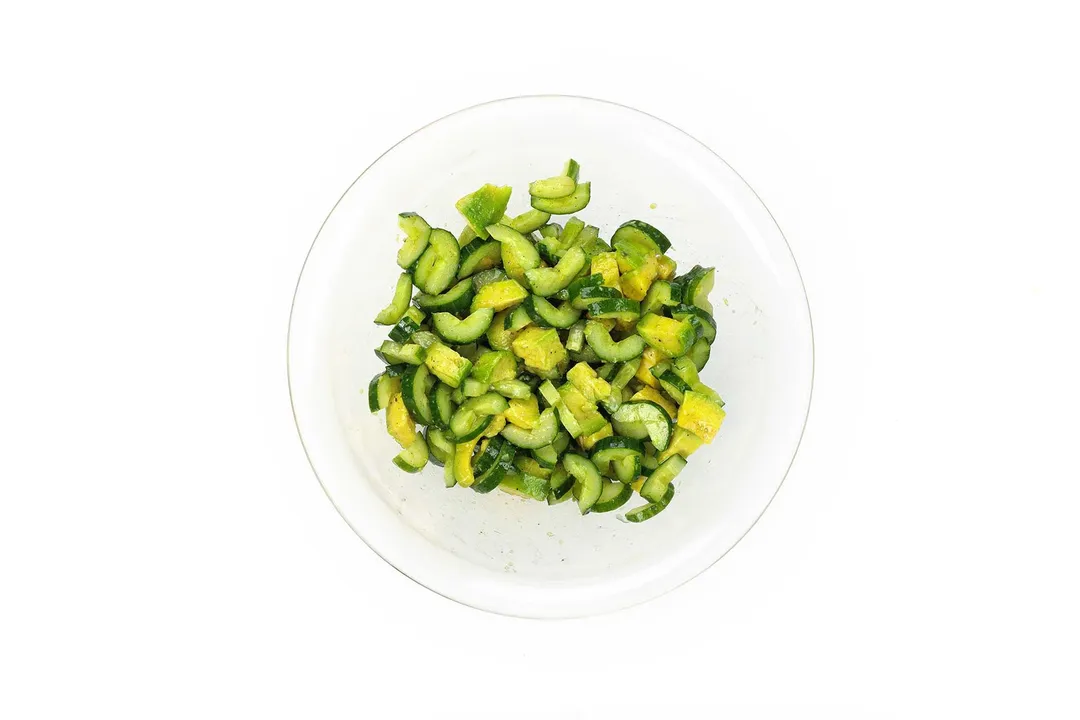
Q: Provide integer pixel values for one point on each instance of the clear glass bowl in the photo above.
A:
(501, 553)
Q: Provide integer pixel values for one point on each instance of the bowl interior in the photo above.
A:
(496, 551)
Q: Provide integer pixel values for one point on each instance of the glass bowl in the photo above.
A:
(498, 552)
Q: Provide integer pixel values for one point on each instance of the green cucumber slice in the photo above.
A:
(479, 255)
(589, 295)
(571, 169)
(517, 250)
(442, 406)
(548, 281)
(572, 203)
(614, 308)
(657, 423)
(697, 284)
(700, 353)
(512, 388)
(486, 277)
(543, 433)
(439, 446)
(644, 512)
(576, 337)
(417, 234)
(529, 221)
(392, 353)
(608, 350)
(379, 391)
(407, 325)
(456, 299)
(661, 294)
(587, 478)
(393, 312)
(639, 231)
(503, 466)
(451, 329)
(544, 314)
(438, 266)
(656, 487)
(613, 495)
(415, 386)
(674, 385)
(413, 458)
(558, 186)
(525, 486)
(706, 322)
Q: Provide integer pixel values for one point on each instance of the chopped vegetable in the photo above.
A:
(533, 344)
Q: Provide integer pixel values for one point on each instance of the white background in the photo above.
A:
(165, 551)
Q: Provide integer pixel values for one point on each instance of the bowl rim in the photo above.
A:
(600, 611)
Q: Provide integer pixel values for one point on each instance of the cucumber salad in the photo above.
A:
(543, 361)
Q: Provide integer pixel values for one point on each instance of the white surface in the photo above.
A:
(164, 549)
(502, 553)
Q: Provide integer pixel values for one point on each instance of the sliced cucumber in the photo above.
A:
(423, 338)
(380, 389)
(542, 434)
(486, 277)
(407, 325)
(627, 469)
(558, 186)
(700, 353)
(525, 486)
(561, 483)
(456, 299)
(442, 406)
(576, 337)
(417, 234)
(512, 388)
(572, 203)
(440, 447)
(415, 388)
(517, 251)
(590, 295)
(588, 480)
(548, 281)
(573, 290)
(544, 314)
(705, 321)
(614, 449)
(571, 169)
(570, 234)
(529, 221)
(479, 255)
(518, 319)
(655, 488)
(391, 353)
(657, 422)
(641, 232)
(674, 385)
(547, 456)
(613, 495)
(696, 285)
(393, 312)
(413, 458)
(643, 513)
(608, 350)
(454, 330)
(504, 465)
(661, 294)
(614, 308)
(437, 267)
